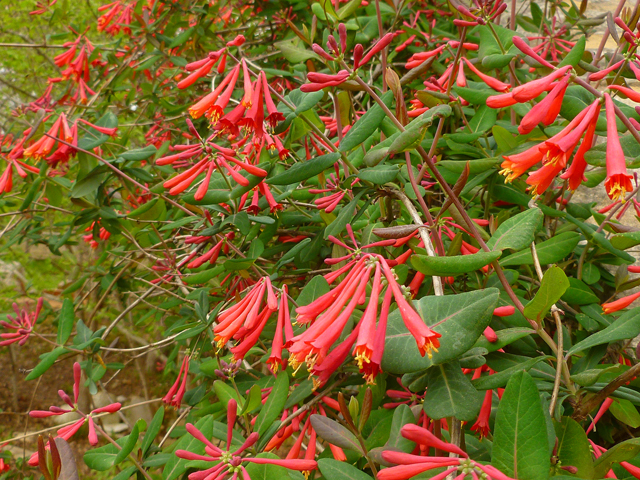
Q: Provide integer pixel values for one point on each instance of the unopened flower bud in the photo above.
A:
(342, 30)
(358, 50)
(570, 469)
(393, 80)
(332, 45)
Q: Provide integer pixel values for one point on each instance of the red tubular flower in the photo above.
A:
(203, 70)
(481, 427)
(575, 173)
(418, 59)
(377, 48)
(426, 339)
(248, 90)
(603, 73)
(23, 325)
(213, 104)
(628, 92)
(425, 437)
(527, 50)
(619, 304)
(245, 320)
(531, 90)
(322, 80)
(557, 149)
(545, 111)
(553, 149)
(369, 347)
(601, 411)
(492, 82)
(283, 326)
(618, 182)
(274, 116)
(176, 392)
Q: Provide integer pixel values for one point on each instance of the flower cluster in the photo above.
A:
(70, 430)
(230, 461)
(23, 324)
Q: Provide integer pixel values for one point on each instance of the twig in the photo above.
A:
(424, 235)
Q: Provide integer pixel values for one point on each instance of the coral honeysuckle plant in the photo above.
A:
(364, 239)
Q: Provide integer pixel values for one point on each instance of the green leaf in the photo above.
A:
(579, 293)
(152, 430)
(293, 52)
(475, 166)
(402, 415)
(304, 170)
(334, 433)
(451, 394)
(505, 140)
(365, 125)
(181, 38)
(380, 174)
(124, 474)
(334, 470)
(46, 360)
(599, 239)
(103, 458)
(520, 447)
(621, 452)
(345, 216)
(254, 400)
(624, 411)
(88, 184)
(484, 119)
(414, 132)
(226, 392)
(128, 445)
(625, 240)
(554, 284)
(627, 326)
(274, 405)
(65, 322)
(591, 376)
(575, 55)
(501, 378)
(473, 95)
(460, 319)
(573, 447)
(317, 287)
(144, 208)
(550, 251)
(140, 153)
(456, 265)
(517, 232)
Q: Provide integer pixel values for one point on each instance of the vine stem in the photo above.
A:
(424, 235)
(605, 36)
(561, 367)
